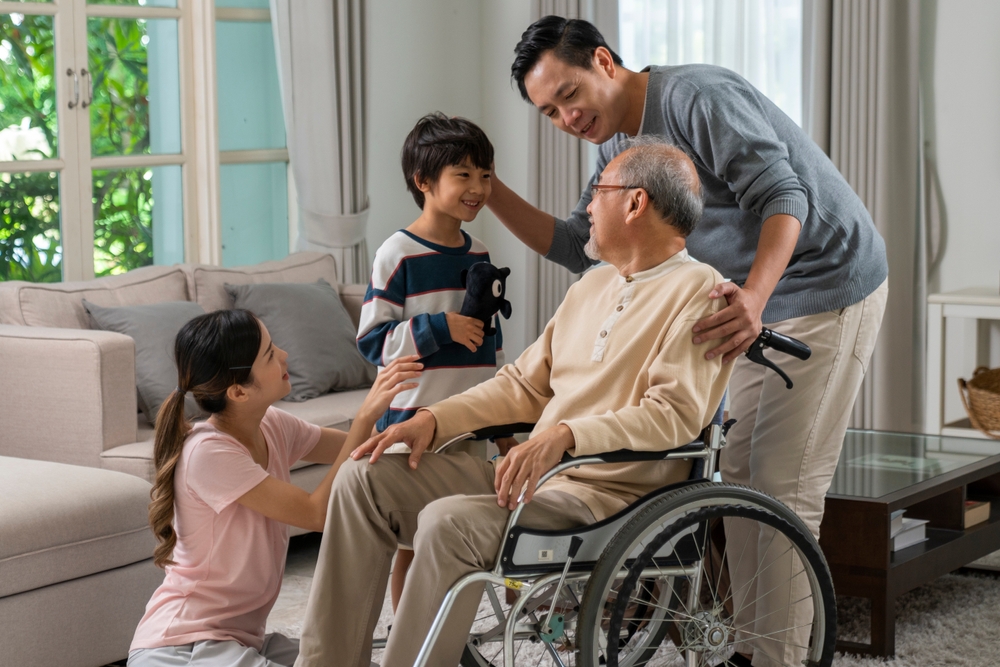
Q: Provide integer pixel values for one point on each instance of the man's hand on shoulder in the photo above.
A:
(526, 463)
(738, 324)
(417, 432)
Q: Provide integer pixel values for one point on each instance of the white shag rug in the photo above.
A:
(953, 622)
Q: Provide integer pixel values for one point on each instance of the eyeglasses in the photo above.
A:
(598, 187)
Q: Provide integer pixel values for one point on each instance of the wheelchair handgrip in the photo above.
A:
(632, 456)
(786, 344)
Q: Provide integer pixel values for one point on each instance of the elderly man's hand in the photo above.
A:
(527, 462)
(739, 321)
(417, 432)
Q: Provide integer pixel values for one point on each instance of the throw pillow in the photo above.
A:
(154, 329)
(309, 322)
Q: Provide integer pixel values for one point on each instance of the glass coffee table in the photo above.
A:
(930, 477)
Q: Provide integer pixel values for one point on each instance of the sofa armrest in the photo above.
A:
(69, 394)
(353, 296)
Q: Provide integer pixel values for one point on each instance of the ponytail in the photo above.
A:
(171, 431)
(212, 353)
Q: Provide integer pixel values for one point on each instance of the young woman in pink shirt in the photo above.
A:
(222, 500)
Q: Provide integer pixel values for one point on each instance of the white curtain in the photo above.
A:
(322, 68)
(862, 99)
(560, 172)
(759, 39)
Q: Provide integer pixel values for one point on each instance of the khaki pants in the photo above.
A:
(787, 443)
(447, 510)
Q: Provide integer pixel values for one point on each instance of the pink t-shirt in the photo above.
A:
(229, 559)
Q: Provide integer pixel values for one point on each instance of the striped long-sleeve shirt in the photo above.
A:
(414, 283)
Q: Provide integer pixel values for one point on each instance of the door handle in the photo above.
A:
(90, 89)
(76, 87)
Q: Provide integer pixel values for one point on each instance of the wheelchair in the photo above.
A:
(611, 593)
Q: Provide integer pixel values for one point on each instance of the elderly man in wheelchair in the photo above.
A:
(624, 544)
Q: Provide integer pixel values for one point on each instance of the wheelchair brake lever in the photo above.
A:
(756, 354)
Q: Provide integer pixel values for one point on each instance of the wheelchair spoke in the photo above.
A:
(776, 587)
(739, 561)
(749, 581)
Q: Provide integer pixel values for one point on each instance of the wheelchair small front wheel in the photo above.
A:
(766, 589)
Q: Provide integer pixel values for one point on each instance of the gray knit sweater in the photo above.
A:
(754, 162)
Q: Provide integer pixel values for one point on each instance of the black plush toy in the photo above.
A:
(485, 286)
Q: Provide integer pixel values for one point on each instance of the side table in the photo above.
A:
(929, 476)
(977, 303)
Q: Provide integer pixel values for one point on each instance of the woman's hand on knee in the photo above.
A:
(417, 433)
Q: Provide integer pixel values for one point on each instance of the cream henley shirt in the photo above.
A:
(615, 364)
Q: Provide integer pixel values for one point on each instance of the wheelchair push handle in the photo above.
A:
(786, 344)
(781, 343)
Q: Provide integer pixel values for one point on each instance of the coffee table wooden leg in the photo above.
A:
(883, 626)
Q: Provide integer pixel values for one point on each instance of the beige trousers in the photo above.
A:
(787, 443)
(447, 510)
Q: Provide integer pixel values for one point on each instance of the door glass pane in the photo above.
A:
(135, 211)
(254, 202)
(30, 241)
(136, 86)
(250, 114)
(28, 129)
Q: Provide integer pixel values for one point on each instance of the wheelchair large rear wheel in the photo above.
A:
(784, 609)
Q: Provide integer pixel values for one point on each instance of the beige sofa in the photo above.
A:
(75, 397)
(76, 456)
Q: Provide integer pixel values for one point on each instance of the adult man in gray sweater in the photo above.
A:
(780, 222)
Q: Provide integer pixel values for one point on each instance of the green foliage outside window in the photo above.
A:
(119, 118)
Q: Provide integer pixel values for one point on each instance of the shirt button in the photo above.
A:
(619, 308)
(629, 279)
(603, 334)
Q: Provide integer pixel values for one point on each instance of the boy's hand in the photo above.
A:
(467, 331)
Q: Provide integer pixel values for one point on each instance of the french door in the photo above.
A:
(95, 111)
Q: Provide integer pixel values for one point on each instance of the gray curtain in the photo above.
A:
(322, 69)
(861, 76)
(559, 174)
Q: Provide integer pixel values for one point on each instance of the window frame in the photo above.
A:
(199, 159)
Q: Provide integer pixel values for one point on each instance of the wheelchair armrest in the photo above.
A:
(503, 429)
(631, 456)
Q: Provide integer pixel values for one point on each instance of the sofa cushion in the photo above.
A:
(60, 522)
(309, 322)
(330, 411)
(336, 410)
(61, 304)
(207, 283)
(154, 329)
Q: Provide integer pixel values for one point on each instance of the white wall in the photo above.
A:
(506, 120)
(967, 126)
(425, 56)
(452, 56)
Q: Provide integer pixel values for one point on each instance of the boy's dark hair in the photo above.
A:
(572, 41)
(436, 142)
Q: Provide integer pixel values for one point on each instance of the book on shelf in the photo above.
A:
(976, 511)
(896, 522)
(912, 532)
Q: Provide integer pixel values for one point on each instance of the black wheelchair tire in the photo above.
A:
(722, 500)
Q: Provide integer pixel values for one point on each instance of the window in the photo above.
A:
(253, 172)
(128, 139)
(759, 39)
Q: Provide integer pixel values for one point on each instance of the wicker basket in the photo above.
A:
(983, 402)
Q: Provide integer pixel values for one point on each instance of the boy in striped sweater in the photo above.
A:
(413, 300)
